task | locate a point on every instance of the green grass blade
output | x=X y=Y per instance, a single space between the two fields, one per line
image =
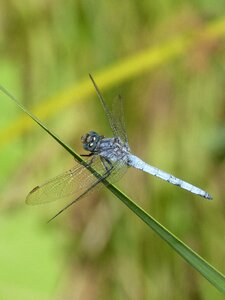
x=202 y=266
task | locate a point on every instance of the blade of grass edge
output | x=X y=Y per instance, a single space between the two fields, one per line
x=216 y=278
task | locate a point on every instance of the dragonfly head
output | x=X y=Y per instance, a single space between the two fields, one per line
x=90 y=140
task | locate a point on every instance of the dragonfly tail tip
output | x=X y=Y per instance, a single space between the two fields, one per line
x=209 y=197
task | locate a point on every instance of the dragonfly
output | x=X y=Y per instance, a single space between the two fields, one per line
x=107 y=161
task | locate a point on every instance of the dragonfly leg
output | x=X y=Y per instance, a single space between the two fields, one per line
x=87 y=155
x=106 y=163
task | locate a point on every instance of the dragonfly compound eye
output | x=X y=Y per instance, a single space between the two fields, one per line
x=90 y=140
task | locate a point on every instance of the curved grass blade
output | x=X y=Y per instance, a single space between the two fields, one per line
x=216 y=278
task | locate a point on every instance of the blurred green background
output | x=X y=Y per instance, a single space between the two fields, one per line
x=166 y=59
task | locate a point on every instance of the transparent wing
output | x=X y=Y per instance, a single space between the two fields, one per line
x=69 y=184
x=73 y=183
x=115 y=117
x=118 y=116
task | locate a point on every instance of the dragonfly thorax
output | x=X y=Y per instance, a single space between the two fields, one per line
x=91 y=140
